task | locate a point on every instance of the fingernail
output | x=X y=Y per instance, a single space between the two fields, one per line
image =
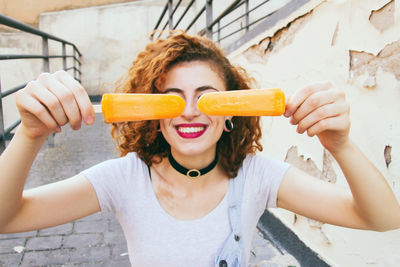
x=58 y=129
x=286 y=114
x=90 y=120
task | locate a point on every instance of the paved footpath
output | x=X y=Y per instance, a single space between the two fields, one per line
x=96 y=240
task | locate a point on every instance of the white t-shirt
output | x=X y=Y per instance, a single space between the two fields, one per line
x=155 y=238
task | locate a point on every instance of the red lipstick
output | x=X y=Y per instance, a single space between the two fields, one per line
x=191 y=130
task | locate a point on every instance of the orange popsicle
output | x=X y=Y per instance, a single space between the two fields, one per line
x=252 y=102
x=136 y=107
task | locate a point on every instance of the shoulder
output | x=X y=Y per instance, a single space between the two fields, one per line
x=262 y=172
x=115 y=167
x=263 y=176
x=260 y=162
x=115 y=176
x=131 y=158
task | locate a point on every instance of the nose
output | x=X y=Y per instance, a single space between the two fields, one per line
x=191 y=110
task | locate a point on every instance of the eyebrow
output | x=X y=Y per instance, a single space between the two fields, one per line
x=198 y=89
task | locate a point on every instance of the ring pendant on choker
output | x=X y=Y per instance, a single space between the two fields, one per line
x=191 y=173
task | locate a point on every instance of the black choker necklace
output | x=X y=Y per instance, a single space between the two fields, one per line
x=192 y=173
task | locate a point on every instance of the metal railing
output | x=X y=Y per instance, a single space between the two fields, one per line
x=239 y=22
x=6 y=134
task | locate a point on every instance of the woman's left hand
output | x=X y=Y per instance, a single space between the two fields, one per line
x=322 y=110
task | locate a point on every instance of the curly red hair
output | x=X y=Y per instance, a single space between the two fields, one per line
x=146 y=74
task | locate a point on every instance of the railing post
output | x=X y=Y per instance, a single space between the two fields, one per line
x=209 y=19
x=74 y=57
x=64 y=55
x=2 y=135
x=247 y=15
x=80 y=68
x=170 y=22
x=219 y=31
x=46 y=68
x=45 y=49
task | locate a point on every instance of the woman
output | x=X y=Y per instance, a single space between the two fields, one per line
x=170 y=218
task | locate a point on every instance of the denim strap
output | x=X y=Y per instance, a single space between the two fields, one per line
x=232 y=254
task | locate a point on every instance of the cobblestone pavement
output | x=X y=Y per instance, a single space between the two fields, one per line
x=96 y=240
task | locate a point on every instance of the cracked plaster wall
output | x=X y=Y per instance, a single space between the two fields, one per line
x=356 y=45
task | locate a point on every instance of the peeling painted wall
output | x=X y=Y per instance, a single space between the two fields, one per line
x=356 y=45
x=388 y=59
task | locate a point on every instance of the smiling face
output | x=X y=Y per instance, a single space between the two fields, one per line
x=193 y=133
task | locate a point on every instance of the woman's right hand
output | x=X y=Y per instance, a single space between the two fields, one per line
x=52 y=101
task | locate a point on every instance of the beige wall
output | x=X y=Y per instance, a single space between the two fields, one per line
x=356 y=45
x=28 y=11
x=109 y=37
x=12 y=73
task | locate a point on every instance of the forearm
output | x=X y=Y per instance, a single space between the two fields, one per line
x=15 y=163
x=373 y=197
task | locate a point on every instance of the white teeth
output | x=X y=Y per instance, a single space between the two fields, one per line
x=190 y=129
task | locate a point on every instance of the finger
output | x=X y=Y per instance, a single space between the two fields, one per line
x=287 y=101
x=65 y=97
x=80 y=94
x=300 y=96
x=312 y=103
x=50 y=101
x=321 y=113
x=338 y=123
x=33 y=106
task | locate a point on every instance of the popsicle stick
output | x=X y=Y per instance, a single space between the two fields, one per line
x=252 y=102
